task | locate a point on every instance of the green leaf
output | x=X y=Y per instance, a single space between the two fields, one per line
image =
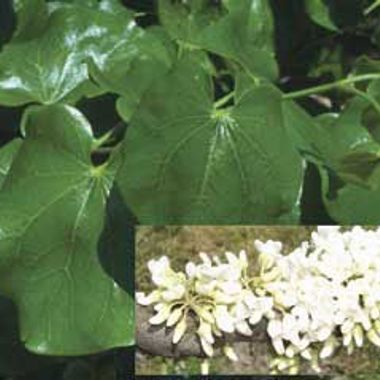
x=319 y=12
x=345 y=139
x=54 y=67
x=187 y=163
x=338 y=142
x=353 y=204
x=32 y=17
x=7 y=154
x=185 y=20
x=53 y=204
x=257 y=14
x=348 y=158
x=131 y=72
x=242 y=32
x=353 y=200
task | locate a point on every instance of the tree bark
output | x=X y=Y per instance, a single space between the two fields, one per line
x=157 y=340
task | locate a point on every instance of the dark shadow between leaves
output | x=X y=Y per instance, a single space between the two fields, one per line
x=313 y=211
x=14 y=358
x=117 y=242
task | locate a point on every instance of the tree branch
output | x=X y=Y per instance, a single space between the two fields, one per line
x=157 y=340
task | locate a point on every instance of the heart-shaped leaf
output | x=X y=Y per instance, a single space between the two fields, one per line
x=189 y=163
x=53 y=204
x=242 y=31
x=54 y=66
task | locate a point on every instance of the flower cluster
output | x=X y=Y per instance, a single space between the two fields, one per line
x=323 y=295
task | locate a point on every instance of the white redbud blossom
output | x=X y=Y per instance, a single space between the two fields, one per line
x=205 y=332
x=328 y=348
x=161 y=316
x=179 y=330
x=306 y=354
x=174 y=317
x=358 y=335
x=322 y=295
x=223 y=319
x=207 y=347
x=230 y=353
x=374 y=337
x=205 y=367
x=377 y=326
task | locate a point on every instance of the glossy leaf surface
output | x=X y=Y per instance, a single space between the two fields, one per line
x=79 y=38
x=186 y=162
x=53 y=205
x=241 y=31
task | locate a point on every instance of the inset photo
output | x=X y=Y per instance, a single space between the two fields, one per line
x=258 y=300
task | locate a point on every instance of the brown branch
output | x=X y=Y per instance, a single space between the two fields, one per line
x=254 y=352
x=157 y=340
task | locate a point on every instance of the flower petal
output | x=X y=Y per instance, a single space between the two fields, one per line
x=174 y=317
x=161 y=316
x=207 y=347
x=223 y=319
x=179 y=330
x=230 y=353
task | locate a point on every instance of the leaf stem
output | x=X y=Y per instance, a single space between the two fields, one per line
x=367 y=97
x=222 y=101
x=102 y=139
x=109 y=137
x=372 y=7
x=330 y=86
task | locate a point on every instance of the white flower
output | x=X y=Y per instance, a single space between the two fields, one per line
x=223 y=319
x=205 y=332
x=230 y=353
x=162 y=315
x=149 y=299
x=275 y=331
x=328 y=348
x=179 y=330
x=269 y=248
x=207 y=347
x=374 y=337
x=205 y=367
x=174 y=317
x=322 y=295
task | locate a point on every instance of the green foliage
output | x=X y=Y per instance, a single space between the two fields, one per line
x=188 y=162
x=212 y=120
x=50 y=236
x=320 y=13
x=79 y=41
x=7 y=154
x=239 y=30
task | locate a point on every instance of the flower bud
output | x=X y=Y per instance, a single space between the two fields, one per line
x=161 y=316
x=358 y=335
x=373 y=337
x=179 y=330
x=207 y=347
x=205 y=367
x=230 y=353
x=328 y=348
x=174 y=317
